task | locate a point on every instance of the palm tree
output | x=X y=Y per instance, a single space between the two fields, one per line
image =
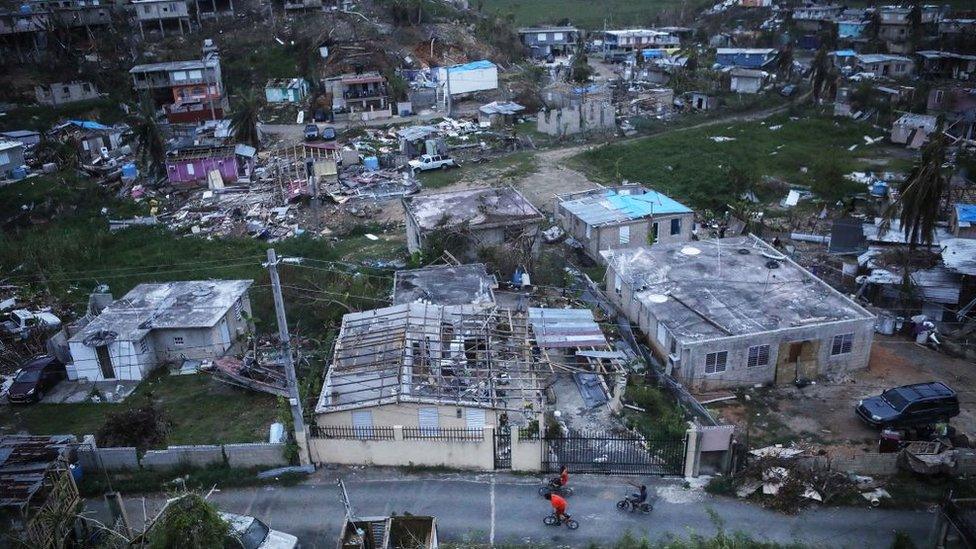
x=822 y=74
x=920 y=195
x=919 y=200
x=244 y=123
x=784 y=63
x=148 y=137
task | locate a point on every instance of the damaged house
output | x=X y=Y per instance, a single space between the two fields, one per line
x=445 y=285
x=62 y=93
x=626 y=216
x=958 y=104
x=92 y=139
x=425 y=384
x=364 y=93
x=187 y=91
x=38 y=495
x=545 y=41
x=482 y=217
x=913 y=130
x=884 y=65
x=215 y=166
x=584 y=117
x=747 y=80
x=735 y=312
x=746 y=58
x=159 y=323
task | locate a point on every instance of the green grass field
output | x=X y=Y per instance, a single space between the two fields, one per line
x=690 y=166
x=203 y=411
x=589 y=14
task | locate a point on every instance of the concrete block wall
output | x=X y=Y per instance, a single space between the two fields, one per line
x=866 y=464
x=478 y=455
x=526 y=454
x=255 y=455
x=112 y=459
x=175 y=456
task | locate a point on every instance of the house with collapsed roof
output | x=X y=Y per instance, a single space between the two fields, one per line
x=214 y=165
x=445 y=285
x=286 y=90
x=735 y=312
x=625 y=216
x=159 y=323
x=91 y=139
x=425 y=384
x=884 y=65
x=913 y=130
x=482 y=216
x=38 y=496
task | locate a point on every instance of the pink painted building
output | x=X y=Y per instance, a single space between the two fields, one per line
x=190 y=165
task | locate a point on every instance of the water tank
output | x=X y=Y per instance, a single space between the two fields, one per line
x=19 y=172
x=372 y=163
x=880 y=188
x=129 y=171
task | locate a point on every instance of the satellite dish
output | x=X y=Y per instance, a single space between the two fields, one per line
x=657 y=298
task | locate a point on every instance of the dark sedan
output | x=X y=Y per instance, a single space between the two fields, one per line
x=36 y=377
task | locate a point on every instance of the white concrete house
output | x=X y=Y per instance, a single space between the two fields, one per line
x=735 y=312
x=158 y=323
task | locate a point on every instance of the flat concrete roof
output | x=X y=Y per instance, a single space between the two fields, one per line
x=727 y=287
x=168 y=305
x=445 y=285
x=481 y=207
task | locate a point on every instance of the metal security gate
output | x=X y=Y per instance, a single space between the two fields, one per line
x=503 y=448
x=615 y=454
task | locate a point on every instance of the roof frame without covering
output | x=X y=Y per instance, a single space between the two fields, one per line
x=460 y=355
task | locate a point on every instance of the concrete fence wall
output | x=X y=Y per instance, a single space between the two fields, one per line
x=426 y=452
x=526 y=454
x=259 y=454
x=874 y=463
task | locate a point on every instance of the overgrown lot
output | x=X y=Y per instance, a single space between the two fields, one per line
x=807 y=149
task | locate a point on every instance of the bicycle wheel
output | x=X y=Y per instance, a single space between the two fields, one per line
x=550 y=520
x=622 y=504
x=567 y=491
x=543 y=491
x=572 y=524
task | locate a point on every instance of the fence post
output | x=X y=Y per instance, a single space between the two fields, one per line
x=398 y=432
x=693 y=437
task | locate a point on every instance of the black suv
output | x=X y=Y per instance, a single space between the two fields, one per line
x=910 y=405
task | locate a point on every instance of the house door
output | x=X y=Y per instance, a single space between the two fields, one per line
x=224 y=334
x=797 y=360
x=104 y=362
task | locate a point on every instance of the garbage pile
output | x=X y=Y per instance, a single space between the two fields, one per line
x=787 y=479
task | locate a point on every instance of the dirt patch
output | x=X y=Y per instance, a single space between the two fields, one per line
x=823 y=412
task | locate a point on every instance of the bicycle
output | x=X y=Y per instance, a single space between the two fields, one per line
x=628 y=504
x=570 y=522
x=554 y=487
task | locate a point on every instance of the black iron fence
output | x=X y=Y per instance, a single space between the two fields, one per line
x=615 y=454
x=450 y=434
x=348 y=432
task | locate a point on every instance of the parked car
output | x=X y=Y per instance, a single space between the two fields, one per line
x=21 y=323
x=910 y=405
x=36 y=377
x=431 y=162
x=788 y=90
x=311 y=132
x=329 y=133
x=250 y=533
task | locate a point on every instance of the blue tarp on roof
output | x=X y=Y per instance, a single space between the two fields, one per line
x=966 y=212
x=653 y=54
x=611 y=207
x=844 y=53
x=472 y=66
x=89 y=125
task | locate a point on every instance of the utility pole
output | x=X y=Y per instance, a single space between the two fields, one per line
x=294 y=400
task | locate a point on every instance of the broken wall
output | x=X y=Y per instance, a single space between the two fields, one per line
x=591 y=116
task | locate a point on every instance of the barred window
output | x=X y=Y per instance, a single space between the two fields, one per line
x=715 y=362
x=758 y=356
x=842 y=344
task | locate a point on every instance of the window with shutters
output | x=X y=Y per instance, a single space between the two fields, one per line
x=362 y=423
x=143 y=346
x=675 y=226
x=653 y=235
x=189 y=169
x=625 y=234
x=474 y=419
x=239 y=309
x=758 y=356
x=842 y=344
x=715 y=362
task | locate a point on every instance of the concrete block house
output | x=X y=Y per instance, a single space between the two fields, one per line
x=545 y=41
x=626 y=216
x=735 y=312
x=158 y=323
x=188 y=91
x=484 y=216
x=286 y=90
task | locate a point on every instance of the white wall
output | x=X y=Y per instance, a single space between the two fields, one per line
x=470 y=81
x=128 y=362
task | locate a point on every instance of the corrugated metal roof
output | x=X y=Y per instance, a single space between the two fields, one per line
x=564 y=328
x=613 y=207
x=959 y=255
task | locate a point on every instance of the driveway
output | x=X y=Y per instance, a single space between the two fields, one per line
x=503 y=508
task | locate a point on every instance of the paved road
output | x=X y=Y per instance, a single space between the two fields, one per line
x=506 y=508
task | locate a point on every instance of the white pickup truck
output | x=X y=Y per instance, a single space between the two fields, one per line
x=431 y=162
